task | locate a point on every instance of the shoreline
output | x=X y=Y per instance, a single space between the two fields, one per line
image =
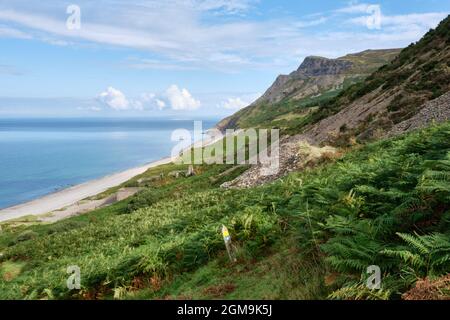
x=66 y=197
x=71 y=195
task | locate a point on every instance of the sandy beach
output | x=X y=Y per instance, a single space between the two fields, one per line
x=69 y=196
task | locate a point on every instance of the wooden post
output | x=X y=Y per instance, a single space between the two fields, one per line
x=227 y=240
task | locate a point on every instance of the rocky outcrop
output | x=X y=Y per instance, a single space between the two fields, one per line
x=254 y=177
x=314 y=77
x=277 y=90
x=319 y=66
x=295 y=153
x=434 y=111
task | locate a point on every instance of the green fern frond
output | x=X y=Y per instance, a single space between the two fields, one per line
x=415 y=241
x=359 y=292
x=407 y=256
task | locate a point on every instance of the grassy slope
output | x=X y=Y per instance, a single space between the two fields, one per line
x=342 y=217
x=332 y=221
x=386 y=203
x=369 y=61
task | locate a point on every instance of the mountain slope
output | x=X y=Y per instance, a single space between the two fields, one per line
x=316 y=78
x=368 y=109
x=318 y=74
x=413 y=86
x=309 y=236
x=393 y=94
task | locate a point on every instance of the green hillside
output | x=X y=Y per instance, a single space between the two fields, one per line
x=420 y=72
x=311 y=234
x=385 y=204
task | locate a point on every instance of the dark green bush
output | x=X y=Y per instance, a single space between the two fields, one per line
x=145 y=198
x=26 y=235
x=64 y=226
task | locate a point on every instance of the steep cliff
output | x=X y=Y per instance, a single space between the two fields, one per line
x=316 y=78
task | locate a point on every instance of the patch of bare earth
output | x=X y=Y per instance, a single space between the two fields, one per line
x=219 y=290
x=295 y=153
x=426 y=289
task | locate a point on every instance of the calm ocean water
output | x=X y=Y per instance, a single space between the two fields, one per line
x=41 y=156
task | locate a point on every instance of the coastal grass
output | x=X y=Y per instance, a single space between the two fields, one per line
x=10 y=270
x=279 y=272
x=310 y=235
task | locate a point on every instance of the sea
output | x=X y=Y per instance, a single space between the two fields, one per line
x=42 y=156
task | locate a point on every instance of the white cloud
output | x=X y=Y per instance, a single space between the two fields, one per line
x=161 y=104
x=310 y=23
x=354 y=8
x=114 y=99
x=227 y=6
x=6 y=32
x=234 y=104
x=155 y=64
x=181 y=99
x=407 y=21
x=195 y=41
x=151 y=100
x=398 y=23
x=89 y=108
x=174 y=97
x=147 y=96
x=138 y=105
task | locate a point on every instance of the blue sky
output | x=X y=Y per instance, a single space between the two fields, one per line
x=186 y=58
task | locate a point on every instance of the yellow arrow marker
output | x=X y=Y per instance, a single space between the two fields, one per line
x=225 y=232
x=227 y=240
